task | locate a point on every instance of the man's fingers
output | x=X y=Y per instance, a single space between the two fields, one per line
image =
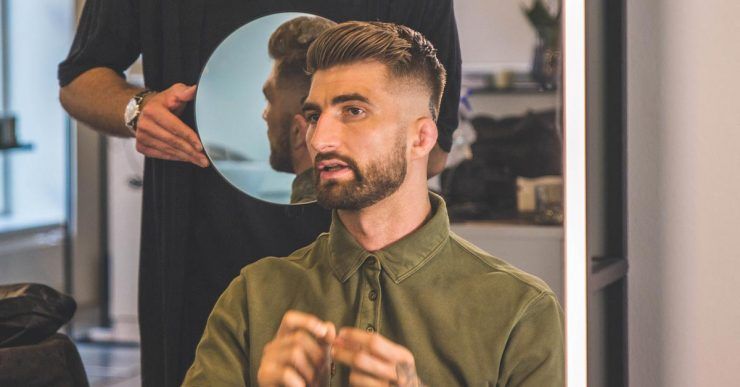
x=146 y=143
x=183 y=93
x=294 y=320
x=276 y=375
x=309 y=345
x=298 y=359
x=361 y=360
x=174 y=126
x=150 y=132
x=374 y=343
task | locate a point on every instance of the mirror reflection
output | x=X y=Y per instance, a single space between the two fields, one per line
x=248 y=107
x=503 y=181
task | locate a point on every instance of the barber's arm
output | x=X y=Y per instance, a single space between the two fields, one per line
x=99 y=96
x=535 y=354
x=94 y=90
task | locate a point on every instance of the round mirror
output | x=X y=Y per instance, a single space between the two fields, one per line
x=248 y=106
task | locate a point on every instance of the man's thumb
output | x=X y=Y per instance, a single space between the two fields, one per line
x=185 y=93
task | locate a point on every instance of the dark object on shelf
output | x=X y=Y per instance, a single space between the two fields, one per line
x=52 y=362
x=31 y=313
x=8 y=138
x=474 y=191
x=528 y=146
x=485 y=186
x=7 y=131
x=546 y=66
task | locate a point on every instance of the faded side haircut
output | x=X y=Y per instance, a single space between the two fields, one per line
x=406 y=53
x=289 y=43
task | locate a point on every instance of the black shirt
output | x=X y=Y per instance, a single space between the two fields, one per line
x=198 y=231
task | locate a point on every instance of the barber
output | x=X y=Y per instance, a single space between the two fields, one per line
x=198 y=231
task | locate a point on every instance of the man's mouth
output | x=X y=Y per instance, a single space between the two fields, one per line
x=330 y=169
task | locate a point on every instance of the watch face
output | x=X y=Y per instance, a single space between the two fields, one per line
x=131 y=110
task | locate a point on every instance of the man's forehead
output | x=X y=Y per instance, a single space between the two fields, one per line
x=352 y=79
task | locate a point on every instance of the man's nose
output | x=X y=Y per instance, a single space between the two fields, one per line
x=325 y=136
x=264 y=114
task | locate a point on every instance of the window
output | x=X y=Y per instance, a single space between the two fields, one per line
x=36 y=36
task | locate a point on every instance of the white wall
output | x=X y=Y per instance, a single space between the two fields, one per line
x=684 y=133
x=494 y=34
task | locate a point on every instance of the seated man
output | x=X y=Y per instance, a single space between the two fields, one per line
x=412 y=301
x=285 y=90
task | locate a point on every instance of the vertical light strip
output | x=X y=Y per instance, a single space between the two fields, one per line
x=576 y=291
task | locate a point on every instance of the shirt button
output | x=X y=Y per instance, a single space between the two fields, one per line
x=370 y=328
x=371 y=261
x=373 y=295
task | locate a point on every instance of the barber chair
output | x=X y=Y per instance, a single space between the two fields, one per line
x=31 y=352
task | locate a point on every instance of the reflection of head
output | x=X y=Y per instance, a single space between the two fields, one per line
x=390 y=82
x=287 y=85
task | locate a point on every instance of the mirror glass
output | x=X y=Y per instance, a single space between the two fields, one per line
x=229 y=109
x=503 y=183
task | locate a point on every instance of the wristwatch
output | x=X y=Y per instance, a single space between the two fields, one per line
x=133 y=110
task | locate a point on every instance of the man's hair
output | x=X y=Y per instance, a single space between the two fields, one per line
x=289 y=43
x=406 y=53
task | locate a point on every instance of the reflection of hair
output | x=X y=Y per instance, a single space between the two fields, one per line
x=289 y=42
x=406 y=53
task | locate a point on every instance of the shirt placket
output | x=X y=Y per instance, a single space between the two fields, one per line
x=369 y=314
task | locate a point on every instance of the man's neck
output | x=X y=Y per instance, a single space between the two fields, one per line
x=389 y=220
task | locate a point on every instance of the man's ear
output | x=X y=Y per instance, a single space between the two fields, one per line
x=424 y=137
x=298 y=129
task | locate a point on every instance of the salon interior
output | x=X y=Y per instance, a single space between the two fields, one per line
x=595 y=150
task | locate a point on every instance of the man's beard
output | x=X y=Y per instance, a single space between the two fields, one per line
x=382 y=177
x=281 y=158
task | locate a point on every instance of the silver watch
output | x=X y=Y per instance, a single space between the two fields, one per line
x=133 y=110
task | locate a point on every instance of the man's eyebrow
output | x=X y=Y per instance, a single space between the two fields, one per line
x=310 y=106
x=349 y=97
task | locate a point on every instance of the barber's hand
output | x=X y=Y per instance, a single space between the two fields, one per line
x=161 y=134
x=374 y=360
x=299 y=353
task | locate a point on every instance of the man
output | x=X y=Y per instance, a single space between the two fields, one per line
x=197 y=230
x=285 y=90
x=413 y=302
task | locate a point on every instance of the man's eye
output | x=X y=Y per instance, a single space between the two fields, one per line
x=312 y=118
x=355 y=111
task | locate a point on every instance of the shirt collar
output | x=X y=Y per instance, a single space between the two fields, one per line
x=400 y=259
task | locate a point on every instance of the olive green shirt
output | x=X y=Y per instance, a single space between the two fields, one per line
x=468 y=318
x=303 y=189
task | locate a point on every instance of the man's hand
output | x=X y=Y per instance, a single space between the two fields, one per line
x=374 y=360
x=299 y=354
x=161 y=134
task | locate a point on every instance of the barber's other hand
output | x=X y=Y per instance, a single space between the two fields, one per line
x=161 y=134
x=374 y=360
x=299 y=353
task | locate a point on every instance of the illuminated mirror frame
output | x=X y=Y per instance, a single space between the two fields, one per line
x=574 y=97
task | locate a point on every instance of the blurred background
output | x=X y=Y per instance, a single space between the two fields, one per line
x=70 y=199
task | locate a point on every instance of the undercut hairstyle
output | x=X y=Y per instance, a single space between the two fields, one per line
x=289 y=43
x=406 y=53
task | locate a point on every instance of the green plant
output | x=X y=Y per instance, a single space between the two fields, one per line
x=545 y=23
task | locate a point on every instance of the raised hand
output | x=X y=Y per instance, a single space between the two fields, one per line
x=374 y=360
x=299 y=353
x=161 y=134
